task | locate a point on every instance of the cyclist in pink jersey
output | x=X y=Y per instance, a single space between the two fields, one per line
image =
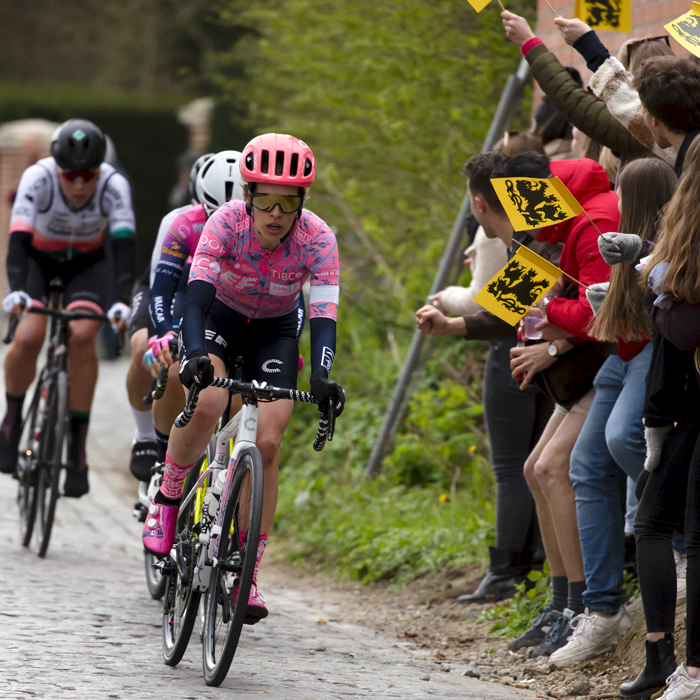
x=250 y=264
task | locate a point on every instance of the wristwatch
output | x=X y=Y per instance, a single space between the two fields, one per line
x=552 y=349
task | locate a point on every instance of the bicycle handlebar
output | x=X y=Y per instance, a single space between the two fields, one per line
x=58 y=313
x=265 y=392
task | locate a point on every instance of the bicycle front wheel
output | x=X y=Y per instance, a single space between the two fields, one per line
x=154 y=579
x=229 y=587
x=27 y=463
x=53 y=445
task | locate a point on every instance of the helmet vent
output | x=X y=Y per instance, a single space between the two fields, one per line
x=279 y=164
x=250 y=161
x=294 y=164
x=229 y=190
x=308 y=167
x=265 y=162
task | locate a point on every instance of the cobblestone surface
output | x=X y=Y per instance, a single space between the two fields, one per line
x=81 y=625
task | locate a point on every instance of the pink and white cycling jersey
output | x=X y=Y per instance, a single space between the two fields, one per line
x=265 y=284
x=181 y=239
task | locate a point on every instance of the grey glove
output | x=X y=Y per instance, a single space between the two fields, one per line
x=596 y=295
x=654 y=438
x=620 y=247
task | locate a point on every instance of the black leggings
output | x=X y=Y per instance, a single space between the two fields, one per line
x=671 y=501
x=515 y=420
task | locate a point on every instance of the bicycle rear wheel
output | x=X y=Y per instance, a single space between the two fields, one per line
x=229 y=587
x=53 y=445
x=181 y=597
x=27 y=469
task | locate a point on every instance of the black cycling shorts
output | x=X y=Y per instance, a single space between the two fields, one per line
x=140 y=316
x=86 y=280
x=268 y=346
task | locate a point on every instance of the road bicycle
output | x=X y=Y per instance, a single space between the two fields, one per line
x=218 y=529
x=44 y=444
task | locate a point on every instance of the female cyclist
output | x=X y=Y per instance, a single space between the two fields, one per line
x=251 y=261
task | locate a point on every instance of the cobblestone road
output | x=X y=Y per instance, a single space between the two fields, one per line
x=81 y=625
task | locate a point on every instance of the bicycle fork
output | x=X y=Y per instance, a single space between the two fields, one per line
x=244 y=425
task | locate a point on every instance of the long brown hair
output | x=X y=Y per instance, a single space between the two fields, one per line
x=679 y=235
x=645 y=188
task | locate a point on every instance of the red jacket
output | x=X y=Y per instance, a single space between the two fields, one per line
x=589 y=183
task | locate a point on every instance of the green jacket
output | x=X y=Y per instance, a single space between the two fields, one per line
x=584 y=110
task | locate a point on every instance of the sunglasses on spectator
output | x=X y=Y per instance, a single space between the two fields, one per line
x=87 y=175
x=266 y=202
x=637 y=42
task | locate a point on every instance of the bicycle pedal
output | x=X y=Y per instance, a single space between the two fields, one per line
x=165 y=566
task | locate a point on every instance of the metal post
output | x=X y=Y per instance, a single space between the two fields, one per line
x=510 y=101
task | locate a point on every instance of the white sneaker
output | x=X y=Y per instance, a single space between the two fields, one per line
x=681 y=568
x=593 y=635
x=680 y=686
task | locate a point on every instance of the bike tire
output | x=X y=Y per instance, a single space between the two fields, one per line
x=27 y=471
x=181 y=600
x=223 y=621
x=52 y=453
x=154 y=579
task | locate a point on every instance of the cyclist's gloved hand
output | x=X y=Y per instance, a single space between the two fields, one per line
x=620 y=247
x=196 y=371
x=323 y=388
x=157 y=345
x=124 y=312
x=14 y=299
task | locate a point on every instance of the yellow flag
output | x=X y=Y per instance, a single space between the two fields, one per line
x=518 y=286
x=533 y=203
x=686 y=29
x=478 y=5
x=615 y=15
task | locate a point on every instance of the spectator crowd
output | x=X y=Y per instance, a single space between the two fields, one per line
x=591 y=403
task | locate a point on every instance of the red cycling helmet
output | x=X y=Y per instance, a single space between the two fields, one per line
x=278 y=159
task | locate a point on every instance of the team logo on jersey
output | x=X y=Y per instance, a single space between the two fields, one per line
x=79 y=134
x=305 y=238
x=267 y=366
x=283 y=290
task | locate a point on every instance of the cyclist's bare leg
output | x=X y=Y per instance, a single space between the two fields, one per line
x=138 y=378
x=20 y=360
x=273 y=420
x=186 y=445
x=82 y=364
x=170 y=405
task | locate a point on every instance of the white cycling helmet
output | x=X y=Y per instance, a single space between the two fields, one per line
x=194 y=171
x=219 y=180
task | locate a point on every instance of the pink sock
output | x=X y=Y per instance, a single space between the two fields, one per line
x=173 y=478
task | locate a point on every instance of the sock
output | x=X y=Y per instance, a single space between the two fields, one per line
x=560 y=592
x=13 y=418
x=161 y=445
x=173 y=478
x=79 y=421
x=261 y=550
x=144 y=425
x=575 y=599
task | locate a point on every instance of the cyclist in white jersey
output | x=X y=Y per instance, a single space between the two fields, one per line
x=68 y=206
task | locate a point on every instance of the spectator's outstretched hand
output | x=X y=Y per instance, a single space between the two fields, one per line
x=596 y=294
x=430 y=321
x=571 y=29
x=436 y=300
x=517 y=28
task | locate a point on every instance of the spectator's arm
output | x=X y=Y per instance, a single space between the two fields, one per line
x=484 y=325
x=585 y=111
x=680 y=324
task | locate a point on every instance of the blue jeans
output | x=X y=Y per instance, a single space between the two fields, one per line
x=612 y=438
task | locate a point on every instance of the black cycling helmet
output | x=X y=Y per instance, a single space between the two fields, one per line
x=78 y=145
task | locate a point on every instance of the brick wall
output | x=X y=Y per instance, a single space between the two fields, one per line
x=648 y=19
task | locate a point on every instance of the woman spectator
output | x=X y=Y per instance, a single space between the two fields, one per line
x=671 y=493
x=612 y=438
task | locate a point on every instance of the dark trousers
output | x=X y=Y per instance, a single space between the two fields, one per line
x=515 y=420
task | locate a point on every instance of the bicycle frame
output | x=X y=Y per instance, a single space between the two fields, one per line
x=244 y=426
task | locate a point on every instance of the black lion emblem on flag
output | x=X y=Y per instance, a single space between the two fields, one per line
x=532 y=201
x=517 y=288
x=689 y=29
x=604 y=12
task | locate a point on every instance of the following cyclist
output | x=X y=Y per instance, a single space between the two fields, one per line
x=218 y=181
x=65 y=208
x=252 y=259
x=144 y=450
